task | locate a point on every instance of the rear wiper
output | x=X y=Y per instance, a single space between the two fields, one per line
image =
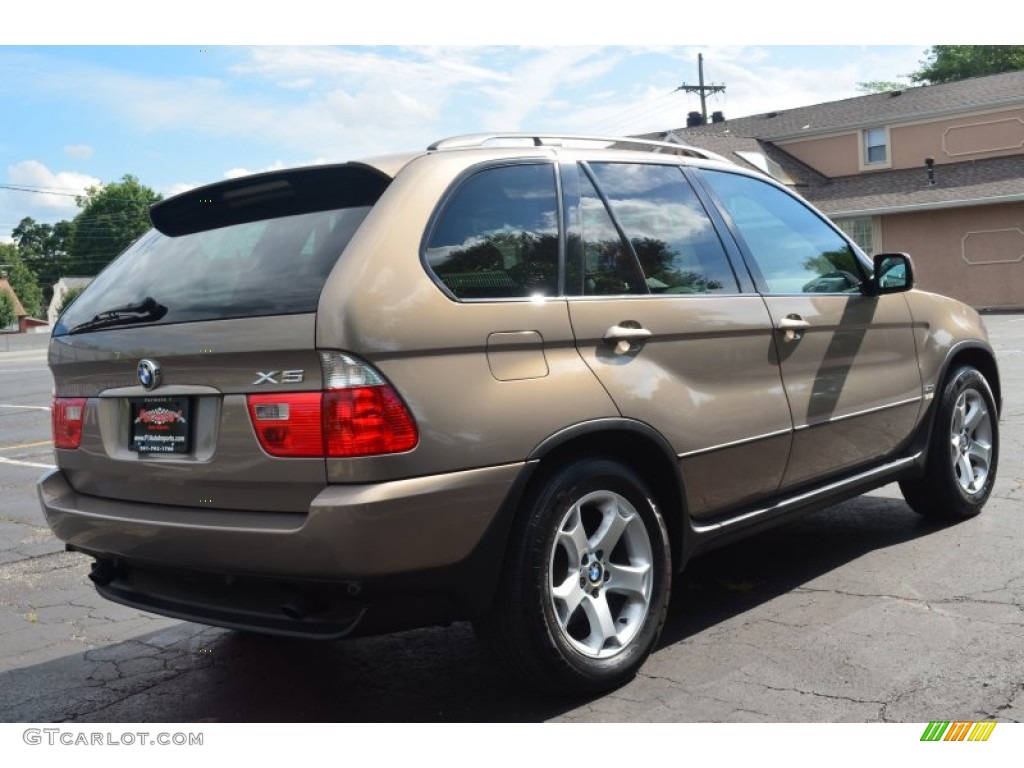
x=147 y=310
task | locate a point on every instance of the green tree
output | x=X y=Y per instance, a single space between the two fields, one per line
x=880 y=86
x=44 y=249
x=7 y=316
x=22 y=279
x=112 y=217
x=946 y=63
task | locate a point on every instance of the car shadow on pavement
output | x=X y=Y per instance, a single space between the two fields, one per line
x=190 y=673
x=725 y=583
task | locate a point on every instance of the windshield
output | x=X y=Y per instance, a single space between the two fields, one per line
x=270 y=267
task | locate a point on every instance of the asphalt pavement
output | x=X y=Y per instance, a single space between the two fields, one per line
x=859 y=613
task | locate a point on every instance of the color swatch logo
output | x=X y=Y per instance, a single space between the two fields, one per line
x=958 y=731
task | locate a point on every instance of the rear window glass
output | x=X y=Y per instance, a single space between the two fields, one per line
x=270 y=267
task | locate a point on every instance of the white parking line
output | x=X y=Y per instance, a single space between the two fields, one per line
x=26 y=463
x=28 y=407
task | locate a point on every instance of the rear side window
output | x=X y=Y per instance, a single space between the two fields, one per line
x=671 y=234
x=497 y=236
x=271 y=267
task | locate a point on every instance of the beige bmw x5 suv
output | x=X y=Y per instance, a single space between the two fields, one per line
x=518 y=380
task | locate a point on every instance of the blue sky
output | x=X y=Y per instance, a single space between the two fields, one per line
x=177 y=111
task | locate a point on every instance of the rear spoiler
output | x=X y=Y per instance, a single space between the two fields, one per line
x=269 y=196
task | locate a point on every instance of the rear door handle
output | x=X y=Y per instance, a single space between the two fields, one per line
x=793 y=326
x=624 y=335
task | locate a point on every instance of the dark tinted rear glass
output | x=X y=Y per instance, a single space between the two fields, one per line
x=497 y=237
x=271 y=267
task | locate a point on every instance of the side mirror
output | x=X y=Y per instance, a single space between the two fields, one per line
x=894 y=273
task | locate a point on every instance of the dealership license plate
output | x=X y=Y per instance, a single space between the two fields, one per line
x=160 y=424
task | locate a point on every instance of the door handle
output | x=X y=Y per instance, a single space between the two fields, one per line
x=624 y=335
x=793 y=326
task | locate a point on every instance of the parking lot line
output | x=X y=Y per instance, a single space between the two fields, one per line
x=19 y=463
x=25 y=445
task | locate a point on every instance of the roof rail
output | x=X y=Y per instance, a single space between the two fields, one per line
x=560 y=139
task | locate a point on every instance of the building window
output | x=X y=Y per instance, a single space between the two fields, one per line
x=860 y=230
x=876 y=143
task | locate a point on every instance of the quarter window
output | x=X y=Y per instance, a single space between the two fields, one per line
x=795 y=250
x=497 y=236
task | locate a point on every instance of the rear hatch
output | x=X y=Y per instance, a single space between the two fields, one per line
x=157 y=364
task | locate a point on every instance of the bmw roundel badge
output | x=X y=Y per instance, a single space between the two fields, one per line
x=149 y=373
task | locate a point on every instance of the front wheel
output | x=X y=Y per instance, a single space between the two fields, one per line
x=585 y=587
x=964 y=451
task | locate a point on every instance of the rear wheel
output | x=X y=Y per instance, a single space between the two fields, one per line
x=586 y=583
x=963 y=454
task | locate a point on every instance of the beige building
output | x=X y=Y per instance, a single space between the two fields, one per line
x=936 y=171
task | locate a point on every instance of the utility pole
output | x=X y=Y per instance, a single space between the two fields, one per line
x=702 y=89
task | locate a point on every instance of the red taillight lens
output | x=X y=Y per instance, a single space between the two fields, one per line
x=364 y=421
x=361 y=421
x=68 y=415
x=288 y=424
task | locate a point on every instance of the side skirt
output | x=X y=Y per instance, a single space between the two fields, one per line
x=709 y=535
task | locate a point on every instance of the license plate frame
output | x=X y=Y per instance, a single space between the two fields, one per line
x=160 y=424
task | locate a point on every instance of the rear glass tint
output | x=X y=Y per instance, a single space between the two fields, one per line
x=270 y=267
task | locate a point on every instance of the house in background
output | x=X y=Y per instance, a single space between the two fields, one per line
x=19 y=310
x=936 y=171
x=60 y=290
x=23 y=323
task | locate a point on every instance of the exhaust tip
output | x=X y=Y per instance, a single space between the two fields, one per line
x=103 y=572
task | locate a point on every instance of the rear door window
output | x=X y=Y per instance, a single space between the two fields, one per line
x=673 y=242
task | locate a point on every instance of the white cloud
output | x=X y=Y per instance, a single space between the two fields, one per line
x=177 y=189
x=234 y=173
x=53 y=192
x=79 y=151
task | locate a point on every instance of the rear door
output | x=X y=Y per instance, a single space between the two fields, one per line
x=677 y=337
x=848 y=360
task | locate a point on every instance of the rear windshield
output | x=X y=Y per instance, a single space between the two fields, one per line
x=270 y=267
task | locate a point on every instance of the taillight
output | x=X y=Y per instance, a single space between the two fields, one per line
x=365 y=421
x=68 y=415
x=288 y=424
x=357 y=414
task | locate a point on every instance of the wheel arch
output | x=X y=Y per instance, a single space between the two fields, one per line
x=976 y=356
x=636 y=445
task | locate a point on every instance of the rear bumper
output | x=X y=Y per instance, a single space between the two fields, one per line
x=415 y=545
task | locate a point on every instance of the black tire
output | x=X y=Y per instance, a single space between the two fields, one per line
x=585 y=585
x=963 y=454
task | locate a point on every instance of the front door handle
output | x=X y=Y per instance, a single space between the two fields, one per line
x=624 y=335
x=793 y=326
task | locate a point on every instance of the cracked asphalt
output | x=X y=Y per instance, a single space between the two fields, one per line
x=860 y=613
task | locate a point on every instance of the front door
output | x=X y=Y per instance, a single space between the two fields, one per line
x=848 y=360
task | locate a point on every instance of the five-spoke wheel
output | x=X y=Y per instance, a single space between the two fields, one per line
x=585 y=586
x=960 y=464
